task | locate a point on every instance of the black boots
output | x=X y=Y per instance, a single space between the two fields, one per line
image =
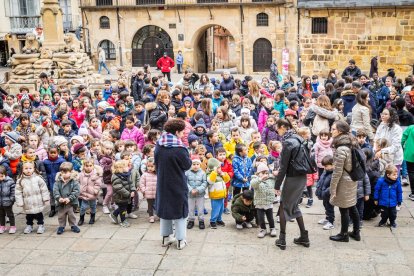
x=201 y=225
x=281 y=241
x=190 y=224
x=355 y=235
x=81 y=220
x=52 y=212
x=341 y=237
x=92 y=219
x=303 y=239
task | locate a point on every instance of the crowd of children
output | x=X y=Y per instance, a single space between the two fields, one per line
x=66 y=150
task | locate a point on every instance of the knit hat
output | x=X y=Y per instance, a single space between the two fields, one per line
x=77 y=148
x=245 y=111
x=83 y=131
x=213 y=163
x=78 y=138
x=192 y=138
x=200 y=123
x=110 y=109
x=175 y=93
x=59 y=140
x=262 y=168
x=102 y=105
x=290 y=112
x=12 y=135
x=248 y=194
x=196 y=159
x=188 y=99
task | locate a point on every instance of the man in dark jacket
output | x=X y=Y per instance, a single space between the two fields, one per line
x=352 y=71
x=138 y=86
x=213 y=142
x=348 y=97
x=227 y=84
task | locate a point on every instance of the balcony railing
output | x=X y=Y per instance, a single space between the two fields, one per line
x=23 y=24
x=146 y=3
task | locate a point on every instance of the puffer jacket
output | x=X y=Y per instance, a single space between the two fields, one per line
x=323 y=190
x=156 y=115
x=7 y=191
x=148 y=185
x=242 y=168
x=264 y=193
x=217 y=185
x=135 y=135
x=225 y=127
x=388 y=193
x=343 y=189
x=238 y=209
x=322 y=149
x=322 y=117
x=31 y=194
x=106 y=163
x=270 y=134
x=90 y=184
x=69 y=189
x=361 y=120
x=196 y=180
x=52 y=168
x=394 y=136
x=349 y=99
x=364 y=187
x=122 y=187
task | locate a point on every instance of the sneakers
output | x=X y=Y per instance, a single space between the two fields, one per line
x=190 y=224
x=221 y=223
x=181 y=244
x=277 y=219
x=239 y=226
x=105 y=210
x=28 y=229
x=132 y=216
x=310 y=203
x=328 y=226
x=382 y=224
x=125 y=224
x=12 y=230
x=323 y=221
x=60 y=230
x=75 y=229
x=213 y=225
x=411 y=196
x=248 y=225
x=404 y=181
x=262 y=233
x=394 y=225
x=168 y=240
x=398 y=207
x=2 y=229
x=41 y=229
x=113 y=218
x=226 y=211
x=273 y=232
x=201 y=225
x=152 y=219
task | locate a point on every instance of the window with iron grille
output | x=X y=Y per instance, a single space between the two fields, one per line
x=104 y=22
x=109 y=49
x=104 y=2
x=319 y=25
x=211 y=1
x=150 y=2
x=262 y=19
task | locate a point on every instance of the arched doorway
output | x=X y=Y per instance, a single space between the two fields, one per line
x=144 y=45
x=262 y=55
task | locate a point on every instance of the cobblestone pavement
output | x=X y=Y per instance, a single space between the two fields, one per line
x=107 y=249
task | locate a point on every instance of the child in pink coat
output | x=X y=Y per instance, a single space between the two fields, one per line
x=131 y=132
x=148 y=187
x=264 y=114
x=322 y=148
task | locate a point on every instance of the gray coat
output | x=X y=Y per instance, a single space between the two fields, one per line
x=70 y=189
x=196 y=180
x=7 y=187
x=364 y=187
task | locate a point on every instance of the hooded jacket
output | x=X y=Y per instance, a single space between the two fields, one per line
x=156 y=114
x=264 y=193
x=242 y=168
x=349 y=99
x=7 y=192
x=69 y=189
x=238 y=209
x=31 y=193
x=394 y=136
x=90 y=183
x=122 y=188
x=388 y=193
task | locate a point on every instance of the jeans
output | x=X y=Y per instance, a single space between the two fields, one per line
x=7 y=211
x=121 y=211
x=404 y=170
x=179 y=68
x=39 y=217
x=345 y=214
x=166 y=228
x=168 y=74
x=388 y=213
x=103 y=64
x=410 y=169
x=88 y=203
x=196 y=203
x=329 y=210
x=269 y=215
x=217 y=208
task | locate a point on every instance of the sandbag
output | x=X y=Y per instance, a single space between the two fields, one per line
x=23 y=71
x=22 y=61
x=23 y=66
x=23 y=77
x=25 y=56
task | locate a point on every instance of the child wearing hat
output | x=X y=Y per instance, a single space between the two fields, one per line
x=242 y=209
x=13 y=150
x=197 y=185
x=79 y=154
x=188 y=107
x=263 y=184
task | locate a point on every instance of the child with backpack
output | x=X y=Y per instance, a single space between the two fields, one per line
x=323 y=192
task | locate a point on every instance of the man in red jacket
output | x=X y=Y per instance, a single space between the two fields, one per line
x=166 y=63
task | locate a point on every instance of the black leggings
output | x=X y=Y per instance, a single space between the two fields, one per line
x=345 y=214
x=168 y=74
x=121 y=211
x=410 y=169
x=310 y=191
x=261 y=218
x=7 y=211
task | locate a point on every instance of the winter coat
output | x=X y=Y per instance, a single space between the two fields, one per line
x=361 y=119
x=106 y=163
x=242 y=168
x=355 y=72
x=383 y=95
x=364 y=187
x=263 y=115
x=343 y=188
x=122 y=188
x=323 y=188
x=4 y=161
x=394 y=136
x=264 y=193
x=157 y=115
x=178 y=104
x=322 y=149
x=388 y=193
x=7 y=192
x=230 y=146
x=90 y=184
x=322 y=117
x=226 y=127
x=165 y=64
x=207 y=118
x=31 y=193
x=172 y=190
x=39 y=166
x=135 y=135
x=349 y=99
x=270 y=134
x=407 y=143
x=217 y=185
x=246 y=134
x=52 y=168
x=405 y=118
x=13 y=153
x=187 y=130
x=137 y=89
x=311 y=179
x=227 y=85
x=78 y=116
x=196 y=180
x=212 y=148
x=148 y=185
x=281 y=107
x=69 y=189
x=238 y=209
x=41 y=152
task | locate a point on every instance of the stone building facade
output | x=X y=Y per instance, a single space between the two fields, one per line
x=260 y=30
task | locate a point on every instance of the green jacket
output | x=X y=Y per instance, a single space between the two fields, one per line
x=69 y=190
x=122 y=188
x=264 y=191
x=407 y=143
x=238 y=209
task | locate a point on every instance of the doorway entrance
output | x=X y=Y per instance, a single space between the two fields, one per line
x=149 y=44
x=262 y=55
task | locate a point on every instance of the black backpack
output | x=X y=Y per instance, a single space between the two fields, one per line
x=358 y=164
x=302 y=162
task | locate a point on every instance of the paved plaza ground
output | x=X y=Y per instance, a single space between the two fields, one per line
x=108 y=249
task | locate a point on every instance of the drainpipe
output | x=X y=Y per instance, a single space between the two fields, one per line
x=119 y=33
x=242 y=36
x=298 y=48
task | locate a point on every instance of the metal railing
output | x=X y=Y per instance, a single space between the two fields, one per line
x=149 y=3
x=23 y=24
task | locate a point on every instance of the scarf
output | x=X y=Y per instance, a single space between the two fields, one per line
x=169 y=140
x=124 y=176
x=53 y=159
x=275 y=154
x=268 y=110
x=25 y=159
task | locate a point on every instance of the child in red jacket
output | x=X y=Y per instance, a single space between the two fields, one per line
x=226 y=167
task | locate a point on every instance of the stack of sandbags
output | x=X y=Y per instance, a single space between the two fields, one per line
x=23 y=66
x=72 y=65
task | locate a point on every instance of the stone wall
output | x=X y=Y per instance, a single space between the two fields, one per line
x=360 y=35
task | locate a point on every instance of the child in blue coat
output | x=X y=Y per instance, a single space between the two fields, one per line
x=242 y=168
x=388 y=194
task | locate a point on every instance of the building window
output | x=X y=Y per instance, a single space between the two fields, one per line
x=109 y=49
x=211 y=1
x=104 y=22
x=319 y=25
x=104 y=2
x=262 y=19
x=150 y=2
x=65 y=5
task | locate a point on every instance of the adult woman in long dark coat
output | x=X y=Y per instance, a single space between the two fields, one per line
x=172 y=159
x=293 y=184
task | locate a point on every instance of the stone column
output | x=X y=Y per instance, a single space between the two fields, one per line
x=52 y=25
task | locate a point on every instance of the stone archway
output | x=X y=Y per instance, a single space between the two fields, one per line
x=148 y=45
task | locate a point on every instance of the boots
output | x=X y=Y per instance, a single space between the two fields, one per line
x=281 y=241
x=92 y=219
x=341 y=237
x=81 y=220
x=52 y=212
x=355 y=235
x=303 y=239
